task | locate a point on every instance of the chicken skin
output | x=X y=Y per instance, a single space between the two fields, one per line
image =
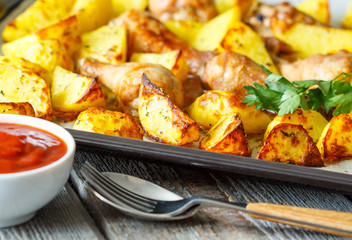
x=147 y=34
x=231 y=71
x=321 y=67
x=196 y=10
x=124 y=81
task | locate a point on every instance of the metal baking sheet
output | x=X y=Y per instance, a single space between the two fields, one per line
x=336 y=176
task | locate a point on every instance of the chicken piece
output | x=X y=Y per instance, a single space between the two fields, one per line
x=231 y=71
x=196 y=10
x=321 y=67
x=147 y=34
x=124 y=81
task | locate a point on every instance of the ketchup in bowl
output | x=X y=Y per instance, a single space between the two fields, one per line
x=24 y=148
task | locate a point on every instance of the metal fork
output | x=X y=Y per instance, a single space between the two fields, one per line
x=339 y=223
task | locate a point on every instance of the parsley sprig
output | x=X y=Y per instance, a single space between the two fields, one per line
x=282 y=96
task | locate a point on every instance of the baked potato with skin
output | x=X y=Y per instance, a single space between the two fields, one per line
x=290 y=143
x=207 y=109
x=99 y=120
x=47 y=53
x=335 y=141
x=106 y=44
x=226 y=136
x=161 y=119
x=39 y=15
x=21 y=108
x=72 y=92
x=21 y=85
x=174 y=61
x=311 y=120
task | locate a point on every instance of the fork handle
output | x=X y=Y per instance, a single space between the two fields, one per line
x=333 y=222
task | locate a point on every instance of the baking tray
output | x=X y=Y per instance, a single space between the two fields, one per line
x=332 y=178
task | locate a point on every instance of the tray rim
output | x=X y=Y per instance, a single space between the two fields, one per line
x=215 y=161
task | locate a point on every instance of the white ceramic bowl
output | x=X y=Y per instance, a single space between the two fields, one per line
x=23 y=193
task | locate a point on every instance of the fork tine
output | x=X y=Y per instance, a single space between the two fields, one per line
x=115 y=191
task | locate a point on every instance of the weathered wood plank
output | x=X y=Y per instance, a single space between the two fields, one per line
x=210 y=223
x=62 y=218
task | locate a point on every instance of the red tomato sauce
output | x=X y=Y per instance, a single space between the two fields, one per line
x=24 y=148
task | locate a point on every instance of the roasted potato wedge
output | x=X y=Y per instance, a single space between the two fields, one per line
x=224 y=5
x=106 y=44
x=207 y=109
x=311 y=120
x=290 y=143
x=120 y=6
x=308 y=40
x=174 y=61
x=317 y=9
x=47 y=53
x=65 y=31
x=184 y=29
x=335 y=141
x=162 y=119
x=240 y=38
x=203 y=41
x=21 y=108
x=99 y=120
x=39 y=15
x=92 y=14
x=347 y=21
x=226 y=136
x=25 y=64
x=17 y=85
x=72 y=92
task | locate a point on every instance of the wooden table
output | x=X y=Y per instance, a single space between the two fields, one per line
x=77 y=214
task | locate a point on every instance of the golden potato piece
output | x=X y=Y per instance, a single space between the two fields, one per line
x=21 y=108
x=162 y=119
x=317 y=9
x=226 y=136
x=240 y=38
x=184 y=29
x=92 y=14
x=25 y=64
x=72 y=92
x=99 y=120
x=290 y=143
x=174 y=61
x=311 y=120
x=308 y=40
x=47 y=53
x=347 y=21
x=121 y=6
x=39 y=15
x=335 y=141
x=203 y=41
x=17 y=85
x=106 y=44
x=65 y=31
x=207 y=109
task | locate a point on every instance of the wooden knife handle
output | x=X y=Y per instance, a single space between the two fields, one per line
x=333 y=222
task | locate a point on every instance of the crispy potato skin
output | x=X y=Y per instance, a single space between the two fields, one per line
x=290 y=143
x=226 y=136
x=108 y=122
x=335 y=142
x=311 y=120
x=207 y=109
x=162 y=119
x=21 y=108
